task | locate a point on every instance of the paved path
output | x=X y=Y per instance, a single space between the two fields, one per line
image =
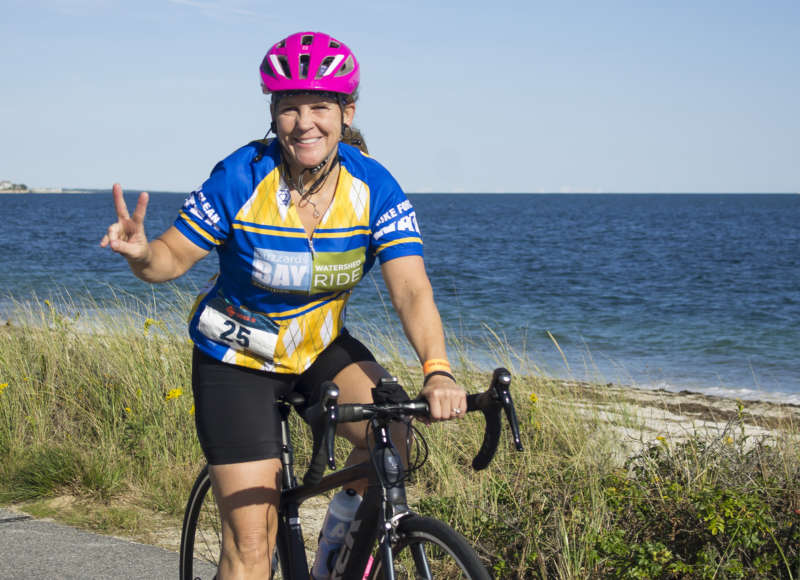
x=31 y=548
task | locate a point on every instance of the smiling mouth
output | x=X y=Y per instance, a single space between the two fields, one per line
x=308 y=141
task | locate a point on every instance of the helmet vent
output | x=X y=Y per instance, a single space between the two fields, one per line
x=281 y=44
x=265 y=68
x=346 y=68
x=304 y=59
x=284 y=62
x=324 y=65
x=333 y=44
x=307 y=40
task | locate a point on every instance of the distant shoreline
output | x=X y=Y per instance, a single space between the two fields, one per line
x=47 y=191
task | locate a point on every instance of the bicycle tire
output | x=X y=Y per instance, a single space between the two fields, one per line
x=447 y=553
x=201 y=535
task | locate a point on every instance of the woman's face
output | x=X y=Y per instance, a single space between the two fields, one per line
x=309 y=127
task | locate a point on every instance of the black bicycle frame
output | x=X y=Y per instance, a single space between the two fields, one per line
x=384 y=503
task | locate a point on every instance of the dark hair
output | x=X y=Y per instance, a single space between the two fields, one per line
x=353 y=136
x=341 y=98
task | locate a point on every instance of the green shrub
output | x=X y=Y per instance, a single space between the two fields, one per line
x=719 y=508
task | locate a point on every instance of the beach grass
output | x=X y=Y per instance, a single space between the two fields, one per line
x=97 y=430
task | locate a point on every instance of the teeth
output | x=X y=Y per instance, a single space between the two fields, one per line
x=307 y=141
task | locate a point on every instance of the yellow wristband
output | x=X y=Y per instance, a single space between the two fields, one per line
x=435 y=364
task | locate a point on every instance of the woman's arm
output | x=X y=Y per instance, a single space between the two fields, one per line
x=412 y=297
x=165 y=258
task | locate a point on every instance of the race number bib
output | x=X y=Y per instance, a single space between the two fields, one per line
x=238 y=328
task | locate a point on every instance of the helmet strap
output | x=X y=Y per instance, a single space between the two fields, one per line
x=299 y=186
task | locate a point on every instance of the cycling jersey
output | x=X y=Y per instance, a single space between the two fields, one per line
x=280 y=296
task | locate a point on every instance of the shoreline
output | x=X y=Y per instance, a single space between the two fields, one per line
x=44 y=191
x=641 y=417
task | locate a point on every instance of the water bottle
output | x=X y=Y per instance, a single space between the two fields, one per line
x=341 y=512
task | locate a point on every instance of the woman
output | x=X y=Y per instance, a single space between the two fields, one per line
x=296 y=223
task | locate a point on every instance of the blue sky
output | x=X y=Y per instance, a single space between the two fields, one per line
x=508 y=95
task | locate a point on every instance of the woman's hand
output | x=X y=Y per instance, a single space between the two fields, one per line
x=446 y=399
x=126 y=237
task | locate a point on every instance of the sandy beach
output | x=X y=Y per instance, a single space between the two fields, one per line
x=640 y=416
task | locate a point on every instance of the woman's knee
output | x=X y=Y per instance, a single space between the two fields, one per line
x=250 y=546
x=247 y=495
x=355 y=383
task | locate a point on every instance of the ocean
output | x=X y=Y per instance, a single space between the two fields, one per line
x=679 y=292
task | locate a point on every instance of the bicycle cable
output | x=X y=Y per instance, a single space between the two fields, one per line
x=420 y=450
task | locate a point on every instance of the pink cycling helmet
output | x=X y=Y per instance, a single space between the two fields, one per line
x=309 y=61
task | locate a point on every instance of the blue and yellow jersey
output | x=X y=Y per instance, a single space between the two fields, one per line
x=280 y=296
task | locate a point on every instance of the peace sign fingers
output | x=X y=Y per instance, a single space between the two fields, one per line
x=119 y=202
x=126 y=236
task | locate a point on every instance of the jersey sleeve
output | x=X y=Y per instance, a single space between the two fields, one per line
x=395 y=232
x=202 y=218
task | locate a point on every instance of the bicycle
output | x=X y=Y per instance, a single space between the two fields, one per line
x=408 y=545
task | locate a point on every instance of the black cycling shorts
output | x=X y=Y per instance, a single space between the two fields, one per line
x=235 y=411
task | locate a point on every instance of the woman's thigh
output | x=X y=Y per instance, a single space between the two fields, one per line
x=235 y=412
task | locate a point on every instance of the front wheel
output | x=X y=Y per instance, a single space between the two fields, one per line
x=425 y=548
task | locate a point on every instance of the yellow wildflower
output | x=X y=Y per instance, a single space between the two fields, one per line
x=661 y=438
x=729 y=440
x=128 y=410
x=191 y=410
x=174 y=394
x=534 y=399
x=3 y=387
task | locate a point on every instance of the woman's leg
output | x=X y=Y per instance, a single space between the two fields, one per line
x=239 y=429
x=247 y=495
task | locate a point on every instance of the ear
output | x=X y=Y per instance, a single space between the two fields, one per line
x=348 y=113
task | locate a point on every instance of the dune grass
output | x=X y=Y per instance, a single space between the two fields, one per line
x=96 y=411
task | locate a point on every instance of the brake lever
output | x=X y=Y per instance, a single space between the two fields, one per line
x=322 y=418
x=330 y=403
x=501 y=383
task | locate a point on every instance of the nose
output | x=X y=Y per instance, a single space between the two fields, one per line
x=304 y=119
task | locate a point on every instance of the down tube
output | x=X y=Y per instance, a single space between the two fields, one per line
x=290 y=544
x=364 y=531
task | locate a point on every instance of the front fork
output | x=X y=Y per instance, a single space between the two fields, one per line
x=376 y=518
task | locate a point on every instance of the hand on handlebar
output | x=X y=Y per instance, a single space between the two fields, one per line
x=446 y=399
x=326 y=414
x=126 y=236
